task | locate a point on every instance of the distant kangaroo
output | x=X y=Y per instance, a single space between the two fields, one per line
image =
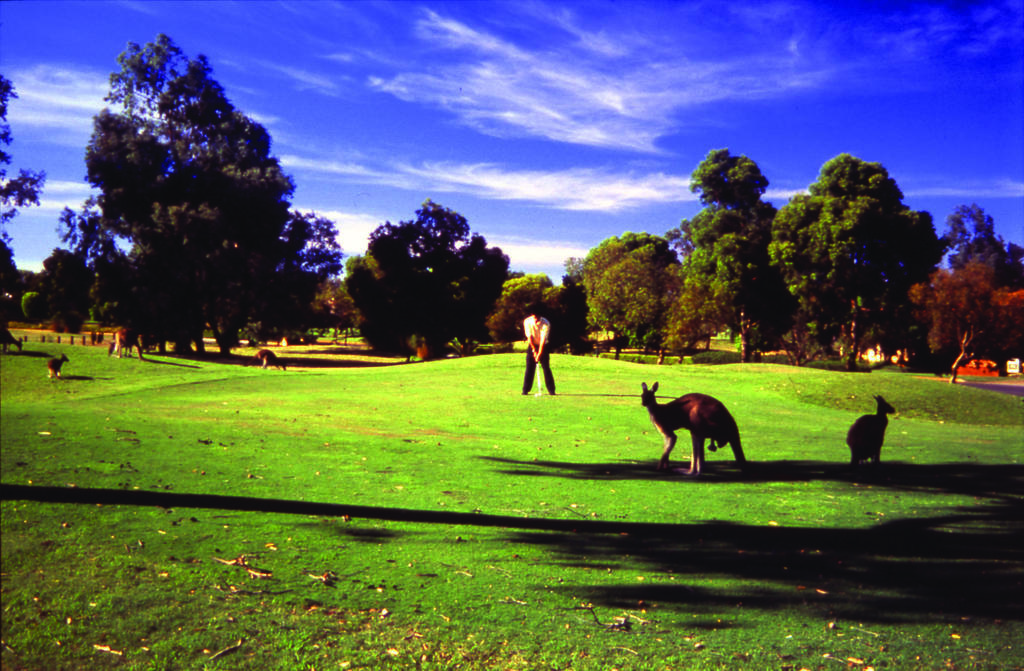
x=866 y=435
x=53 y=366
x=702 y=415
x=268 y=358
x=7 y=339
x=125 y=339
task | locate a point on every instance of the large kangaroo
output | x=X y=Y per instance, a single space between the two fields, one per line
x=702 y=415
x=266 y=358
x=866 y=435
x=125 y=338
x=7 y=340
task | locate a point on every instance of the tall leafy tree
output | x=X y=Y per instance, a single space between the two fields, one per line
x=849 y=251
x=630 y=284
x=971 y=238
x=190 y=183
x=426 y=282
x=564 y=306
x=725 y=249
x=15 y=192
x=66 y=280
x=968 y=314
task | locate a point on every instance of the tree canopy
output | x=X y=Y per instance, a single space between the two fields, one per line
x=425 y=283
x=728 y=277
x=850 y=250
x=16 y=192
x=630 y=282
x=971 y=238
x=968 y=313
x=190 y=184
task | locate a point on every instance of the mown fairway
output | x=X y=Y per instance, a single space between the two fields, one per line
x=795 y=563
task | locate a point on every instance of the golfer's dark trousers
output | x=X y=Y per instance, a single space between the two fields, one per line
x=531 y=372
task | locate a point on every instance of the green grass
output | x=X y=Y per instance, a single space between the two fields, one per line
x=795 y=563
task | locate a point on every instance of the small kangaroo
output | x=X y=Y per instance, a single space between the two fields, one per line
x=866 y=435
x=54 y=365
x=7 y=339
x=268 y=358
x=702 y=415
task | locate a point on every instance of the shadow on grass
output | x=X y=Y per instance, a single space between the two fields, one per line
x=966 y=564
x=981 y=480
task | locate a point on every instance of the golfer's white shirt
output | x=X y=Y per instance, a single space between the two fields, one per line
x=537 y=330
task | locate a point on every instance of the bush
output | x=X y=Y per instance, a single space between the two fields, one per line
x=34 y=306
x=715 y=357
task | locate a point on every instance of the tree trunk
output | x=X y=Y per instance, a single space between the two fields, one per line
x=851 y=355
x=965 y=343
x=745 y=352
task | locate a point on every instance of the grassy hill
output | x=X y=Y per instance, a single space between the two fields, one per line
x=795 y=562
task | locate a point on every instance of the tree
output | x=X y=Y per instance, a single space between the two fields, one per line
x=21 y=190
x=971 y=238
x=969 y=314
x=190 y=183
x=425 y=283
x=17 y=192
x=725 y=250
x=66 y=279
x=564 y=306
x=629 y=285
x=505 y=323
x=849 y=252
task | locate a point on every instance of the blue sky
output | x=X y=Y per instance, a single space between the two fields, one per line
x=550 y=126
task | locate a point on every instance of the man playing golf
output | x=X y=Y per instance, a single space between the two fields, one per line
x=538 y=331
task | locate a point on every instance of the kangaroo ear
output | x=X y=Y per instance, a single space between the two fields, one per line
x=655 y=387
x=643 y=386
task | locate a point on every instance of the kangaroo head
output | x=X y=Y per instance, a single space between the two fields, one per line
x=647 y=395
x=883 y=407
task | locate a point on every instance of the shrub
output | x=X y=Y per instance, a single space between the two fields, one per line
x=34 y=306
x=715 y=356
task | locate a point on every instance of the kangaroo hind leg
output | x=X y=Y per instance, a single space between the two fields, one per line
x=670 y=442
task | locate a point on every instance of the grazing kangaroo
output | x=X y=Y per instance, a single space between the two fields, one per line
x=7 y=339
x=702 y=415
x=268 y=358
x=53 y=366
x=866 y=435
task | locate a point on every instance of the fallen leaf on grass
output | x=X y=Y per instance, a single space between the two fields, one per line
x=107 y=648
x=228 y=650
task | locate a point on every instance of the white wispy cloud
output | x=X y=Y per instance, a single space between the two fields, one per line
x=526 y=254
x=584 y=92
x=999 y=188
x=57 y=195
x=354 y=228
x=577 y=189
x=61 y=100
x=536 y=255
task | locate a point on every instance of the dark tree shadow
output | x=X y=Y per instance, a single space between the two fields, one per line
x=981 y=480
x=967 y=562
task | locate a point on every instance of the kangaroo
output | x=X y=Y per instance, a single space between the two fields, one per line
x=702 y=415
x=866 y=435
x=7 y=339
x=53 y=366
x=268 y=358
x=125 y=339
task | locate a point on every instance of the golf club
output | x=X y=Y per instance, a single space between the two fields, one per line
x=539 y=392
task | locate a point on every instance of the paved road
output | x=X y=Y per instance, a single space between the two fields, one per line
x=1013 y=388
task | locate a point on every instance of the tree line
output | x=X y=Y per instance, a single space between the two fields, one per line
x=193 y=233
